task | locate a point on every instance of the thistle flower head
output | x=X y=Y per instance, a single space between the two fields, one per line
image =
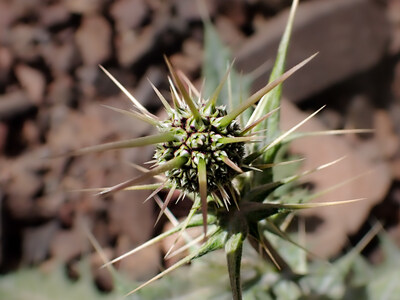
x=200 y=139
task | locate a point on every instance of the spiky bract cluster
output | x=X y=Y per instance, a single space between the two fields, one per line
x=200 y=139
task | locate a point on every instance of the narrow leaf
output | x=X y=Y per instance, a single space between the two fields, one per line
x=169 y=165
x=203 y=191
x=136 y=115
x=138 y=142
x=129 y=95
x=183 y=91
x=272 y=100
x=257 y=96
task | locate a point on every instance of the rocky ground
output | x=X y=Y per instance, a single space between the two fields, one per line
x=52 y=92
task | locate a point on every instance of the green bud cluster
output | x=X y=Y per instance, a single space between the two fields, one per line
x=197 y=139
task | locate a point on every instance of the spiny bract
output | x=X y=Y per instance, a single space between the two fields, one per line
x=202 y=139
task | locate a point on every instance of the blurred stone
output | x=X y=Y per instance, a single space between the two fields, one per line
x=235 y=10
x=131 y=46
x=330 y=27
x=191 y=10
x=102 y=276
x=26 y=40
x=87 y=76
x=360 y=113
x=87 y=7
x=67 y=245
x=14 y=104
x=230 y=35
x=8 y=14
x=30 y=133
x=3 y=136
x=396 y=82
x=145 y=93
x=388 y=140
x=54 y=14
x=61 y=57
x=33 y=81
x=364 y=159
x=36 y=241
x=93 y=39
x=6 y=60
x=140 y=266
x=20 y=184
x=61 y=90
x=128 y=14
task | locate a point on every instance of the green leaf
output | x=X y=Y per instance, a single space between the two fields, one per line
x=272 y=100
x=237 y=232
x=217 y=59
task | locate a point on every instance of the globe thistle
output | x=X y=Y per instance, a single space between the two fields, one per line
x=223 y=164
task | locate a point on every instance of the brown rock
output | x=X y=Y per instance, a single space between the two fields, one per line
x=67 y=244
x=36 y=242
x=93 y=39
x=229 y=33
x=132 y=46
x=61 y=57
x=6 y=60
x=14 y=104
x=340 y=220
x=20 y=184
x=61 y=90
x=128 y=14
x=30 y=133
x=235 y=10
x=140 y=266
x=25 y=41
x=144 y=92
x=388 y=140
x=54 y=14
x=191 y=11
x=83 y=7
x=3 y=136
x=32 y=81
x=330 y=27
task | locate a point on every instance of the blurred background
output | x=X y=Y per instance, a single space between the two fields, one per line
x=52 y=92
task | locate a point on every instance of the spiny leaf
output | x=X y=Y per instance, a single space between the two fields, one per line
x=169 y=165
x=165 y=204
x=194 y=222
x=237 y=231
x=135 y=115
x=213 y=100
x=255 y=123
x=272 y=100
x=137 y=142
x=161 y=97
x=195 y=207
x=135 y=102
x=183 y=91
x=232 y=164
x=257 y=96
x=299 y=135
